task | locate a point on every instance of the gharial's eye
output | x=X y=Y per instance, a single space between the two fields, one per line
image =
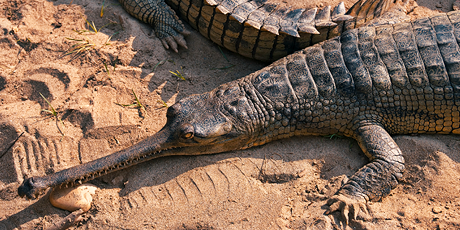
x=187 y=131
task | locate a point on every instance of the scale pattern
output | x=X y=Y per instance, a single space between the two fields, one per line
x=254 y=28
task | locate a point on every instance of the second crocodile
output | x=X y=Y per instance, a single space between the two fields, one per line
x=257 y=29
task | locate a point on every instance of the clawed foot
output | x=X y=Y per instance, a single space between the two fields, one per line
x=169 y=29
x=349 y=207
x=175 y=41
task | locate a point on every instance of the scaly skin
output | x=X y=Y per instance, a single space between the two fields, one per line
x=168 y=28
x=253 y=28
x=367 y=84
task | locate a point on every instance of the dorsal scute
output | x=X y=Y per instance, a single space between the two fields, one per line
x=334 y=58
x=300 y=77
x=319 y=70
x=389 y=54
x=352 y=58
x=371 y=59
x=408 y=50
x=273 y=83
x=453 y=56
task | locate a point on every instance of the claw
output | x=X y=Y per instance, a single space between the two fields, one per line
x=345 y=213
x=349 y=207
x=180 y=41
x=165 y=44
x=172 y=43
x=175 y=41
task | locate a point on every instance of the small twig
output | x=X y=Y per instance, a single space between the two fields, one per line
x=261 y=169
x=158 y=64
x=222 y=52
x=224 y=68
x=11 y=146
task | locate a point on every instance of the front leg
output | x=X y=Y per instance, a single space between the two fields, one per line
x=168 y=28
x=376 y=179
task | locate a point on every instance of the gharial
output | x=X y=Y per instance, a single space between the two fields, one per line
x=368 y=84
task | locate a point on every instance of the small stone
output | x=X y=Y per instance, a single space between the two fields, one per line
x=73 y=198
x=456 y=5
x=437 y=210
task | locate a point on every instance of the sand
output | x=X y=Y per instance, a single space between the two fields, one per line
x=284 y=184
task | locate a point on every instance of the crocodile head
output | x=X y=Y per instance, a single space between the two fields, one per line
x=205 y=124
x=212 y=122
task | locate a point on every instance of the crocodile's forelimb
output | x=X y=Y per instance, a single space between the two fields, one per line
x=373 y=181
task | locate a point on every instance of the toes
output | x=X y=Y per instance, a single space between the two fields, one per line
x=345 y=213
x=349 y=207
x=165 y=44
x=185 y=32
x=334 y=205
x=172 y=43
x=180 y=40
x=355 y=211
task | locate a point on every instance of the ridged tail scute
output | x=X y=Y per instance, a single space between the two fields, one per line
x=277 y=18
x=269 y=31
x=365 y=10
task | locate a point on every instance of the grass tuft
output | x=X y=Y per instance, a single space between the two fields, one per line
x=179 y=74
x=137 y=103
x=163 y=103
x=333 y=136
x=54 y=113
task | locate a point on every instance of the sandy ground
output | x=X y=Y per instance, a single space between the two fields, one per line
x=284 y=184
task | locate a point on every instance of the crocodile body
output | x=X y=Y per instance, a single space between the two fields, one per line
x=254 y=28
x=367 y=84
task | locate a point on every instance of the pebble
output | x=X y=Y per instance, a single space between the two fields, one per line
x=437 y=210
x=73 y=198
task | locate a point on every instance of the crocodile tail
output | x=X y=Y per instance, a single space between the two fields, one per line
x=364 y=11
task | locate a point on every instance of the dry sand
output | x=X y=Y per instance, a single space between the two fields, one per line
x=283 y=184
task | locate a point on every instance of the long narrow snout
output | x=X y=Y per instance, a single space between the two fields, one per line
x=152 y=147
